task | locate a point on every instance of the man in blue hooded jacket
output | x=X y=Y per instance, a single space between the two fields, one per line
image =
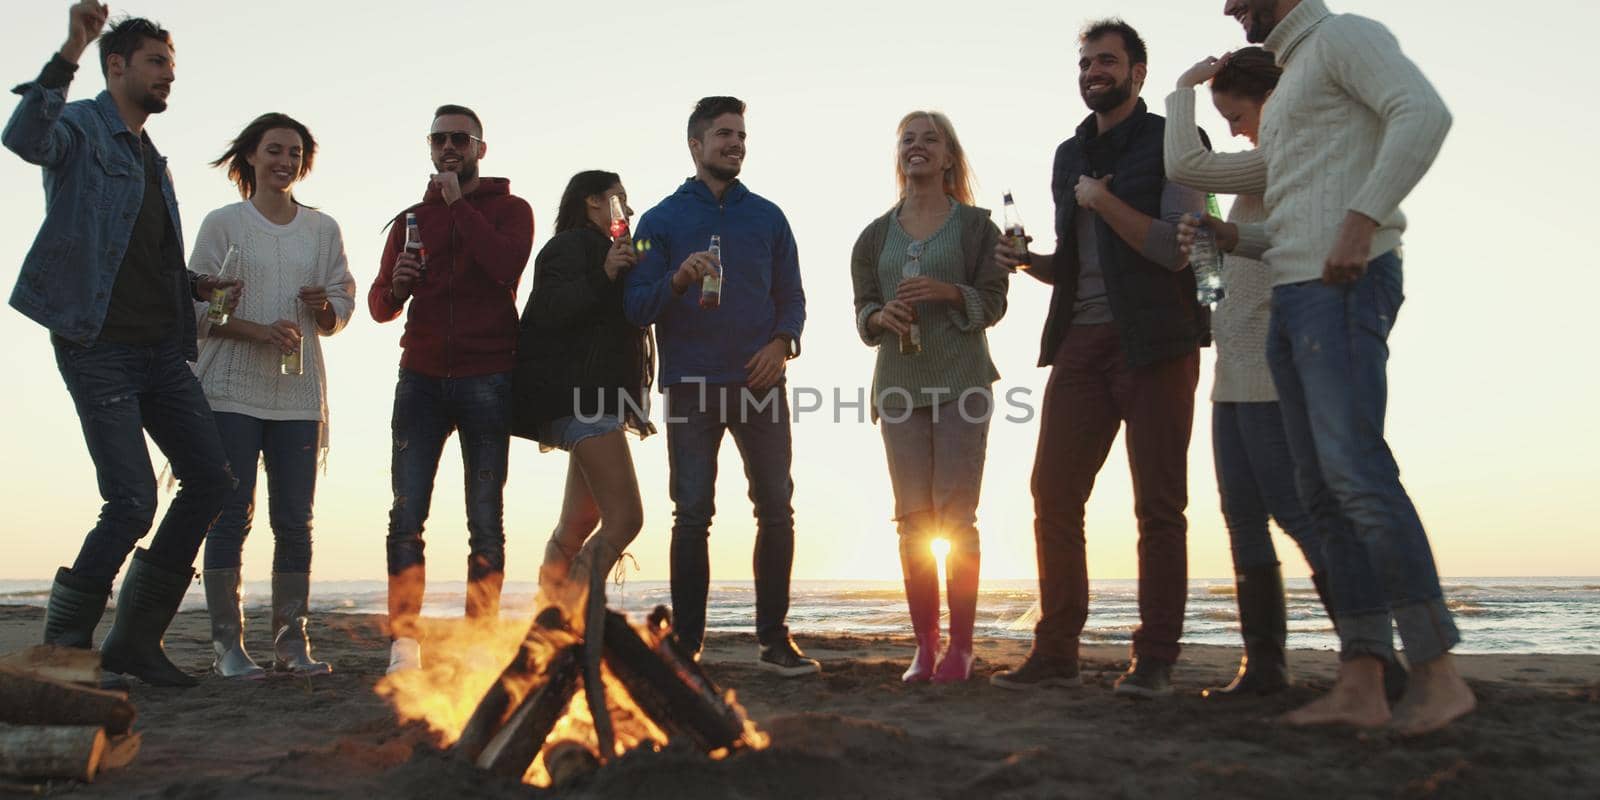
x=722 y=367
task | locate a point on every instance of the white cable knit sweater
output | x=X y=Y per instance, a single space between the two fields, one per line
x=1353 y=126
x=243 y=377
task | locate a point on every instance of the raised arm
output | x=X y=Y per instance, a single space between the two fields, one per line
x=1190 y=162
x=499 y=246
x=36 y=131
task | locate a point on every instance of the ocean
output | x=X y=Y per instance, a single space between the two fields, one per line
x=1496 y=615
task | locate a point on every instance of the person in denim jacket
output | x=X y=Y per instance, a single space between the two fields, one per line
x=106 y=276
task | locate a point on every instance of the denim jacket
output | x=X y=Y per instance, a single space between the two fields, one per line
x=93 y=188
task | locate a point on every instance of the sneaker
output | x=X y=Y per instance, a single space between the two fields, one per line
x=784 y=658
x=1039 y=672
x=404 y=653
x=1147 y=678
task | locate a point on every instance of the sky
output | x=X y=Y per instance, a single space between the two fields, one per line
x=1490 y=412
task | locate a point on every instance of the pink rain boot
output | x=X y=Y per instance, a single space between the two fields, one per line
x=961 y=575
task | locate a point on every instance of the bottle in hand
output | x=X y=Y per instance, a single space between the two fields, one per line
x=619 y=220
x=217 y=313
x=1206 y=260
x=414 y=245
x=711 y=285
x=1014 y=233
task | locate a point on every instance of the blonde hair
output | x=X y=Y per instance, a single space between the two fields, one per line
x=958 y=178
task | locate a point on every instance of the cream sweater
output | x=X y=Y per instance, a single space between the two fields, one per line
x=243 y=377
x=1239 y=324
x=1353 y=126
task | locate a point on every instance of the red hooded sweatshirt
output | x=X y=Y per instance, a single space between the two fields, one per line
x=463 y=318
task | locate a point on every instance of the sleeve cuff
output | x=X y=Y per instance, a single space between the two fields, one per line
x=867 y=336
x=969 y=316
x=58 y=73
x=1253 y=241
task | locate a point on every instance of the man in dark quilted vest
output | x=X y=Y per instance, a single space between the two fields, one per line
x=1122 y=340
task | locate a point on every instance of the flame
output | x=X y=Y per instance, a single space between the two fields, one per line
x=463 y=659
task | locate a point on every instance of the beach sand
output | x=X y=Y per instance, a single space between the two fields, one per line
x=857 y=732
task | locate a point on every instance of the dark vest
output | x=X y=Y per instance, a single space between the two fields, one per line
x=1157 y=315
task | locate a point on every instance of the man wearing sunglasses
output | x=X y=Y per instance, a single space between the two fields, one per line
x=457 y=354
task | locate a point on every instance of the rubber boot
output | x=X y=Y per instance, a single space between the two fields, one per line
x=961 y=579
x=226 y=607
x=1265 y=626
x=74 y=610
x=145 y=607
x=291 y=648
x=921 y=572
x=1395 y=676
x=483 y=589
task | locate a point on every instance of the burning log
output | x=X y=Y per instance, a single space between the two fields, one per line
x=518 y=742
x=520 y=679
x=670 y=687
x=567 y=760
x=32 y=699
x=56 y=751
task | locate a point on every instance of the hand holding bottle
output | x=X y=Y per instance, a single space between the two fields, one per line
x=620 y=258
x=1189 y=225
x=283 y=335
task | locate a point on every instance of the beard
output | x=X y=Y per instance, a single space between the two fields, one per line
x=465 y=174
x=152 y=103
x=1109 y=99
x=722 y=173
x=1263 y=18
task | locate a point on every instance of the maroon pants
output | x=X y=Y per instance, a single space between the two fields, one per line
x=1092 y=391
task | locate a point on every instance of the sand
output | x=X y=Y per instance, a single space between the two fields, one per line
x=857 y=732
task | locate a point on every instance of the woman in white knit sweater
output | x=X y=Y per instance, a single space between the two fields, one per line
x=262 y=371
x=1255 y=471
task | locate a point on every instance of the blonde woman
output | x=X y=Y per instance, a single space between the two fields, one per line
x=926 y=290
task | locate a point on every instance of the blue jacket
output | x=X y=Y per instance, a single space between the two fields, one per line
x=761 y=293
x=93 y=187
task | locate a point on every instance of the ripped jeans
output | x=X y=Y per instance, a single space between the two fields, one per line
x=426 y=411
x=289 y=450
x=121 y=393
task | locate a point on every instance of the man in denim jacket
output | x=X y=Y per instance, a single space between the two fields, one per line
x=106 y=276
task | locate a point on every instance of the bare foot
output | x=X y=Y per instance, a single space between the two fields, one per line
x=1436 y=697
x=1356 y=699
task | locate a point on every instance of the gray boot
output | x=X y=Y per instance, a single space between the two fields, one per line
x=291 y=648
x=226 y=605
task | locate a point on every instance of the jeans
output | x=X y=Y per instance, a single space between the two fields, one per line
x=289 y=448
x=120 y=392
x=697 y=415
x=1091 y=392
x=426 y=411
x=1329 y=355
x=936 y=456
x=1255 y=476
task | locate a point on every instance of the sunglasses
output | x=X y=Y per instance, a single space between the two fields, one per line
x=457 y=138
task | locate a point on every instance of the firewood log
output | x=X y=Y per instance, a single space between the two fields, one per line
x=514 y=747
x=695 y=713
x=121 y=750
x=67 y=664
x=55 y=751
x=517 y=681
x=568 y=760
x=34 y=700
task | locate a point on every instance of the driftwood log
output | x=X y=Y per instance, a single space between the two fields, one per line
x=29 y=699
x=66 y=664
x=518 y=742
x=522 y=677
x=51 y=751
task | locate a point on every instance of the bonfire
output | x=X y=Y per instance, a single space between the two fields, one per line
x=585 y=686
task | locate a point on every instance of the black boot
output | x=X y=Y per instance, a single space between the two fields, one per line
x=145 y=607
x=1395 y=677
x=1264 y=623
x=75 y=609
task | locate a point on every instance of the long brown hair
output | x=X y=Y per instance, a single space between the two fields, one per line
x=235 y=158
x=958 y=178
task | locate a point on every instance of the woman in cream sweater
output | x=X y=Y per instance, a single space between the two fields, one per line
x=262 y=370
x=1255 y=471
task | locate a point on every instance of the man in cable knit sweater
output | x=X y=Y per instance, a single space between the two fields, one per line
x=1351 y=129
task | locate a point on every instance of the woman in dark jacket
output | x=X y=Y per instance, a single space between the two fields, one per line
x=582 y=380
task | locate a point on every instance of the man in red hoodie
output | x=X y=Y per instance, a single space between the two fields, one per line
x=458 y=351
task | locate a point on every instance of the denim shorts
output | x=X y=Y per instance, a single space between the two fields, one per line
x=566 y=432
